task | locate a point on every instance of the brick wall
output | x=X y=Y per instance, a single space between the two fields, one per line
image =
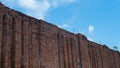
x=26 y=42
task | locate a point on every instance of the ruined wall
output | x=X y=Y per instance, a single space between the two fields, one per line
x=26 y=42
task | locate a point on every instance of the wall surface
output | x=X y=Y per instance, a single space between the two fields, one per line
x=26 y=42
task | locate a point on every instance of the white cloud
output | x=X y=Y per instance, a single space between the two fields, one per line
x=90 y=39
x=63 y=26
x=36 y=8
x=28 y=3
x=56 y=3
x=91 y=28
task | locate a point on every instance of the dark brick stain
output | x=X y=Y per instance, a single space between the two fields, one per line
x=26 y=42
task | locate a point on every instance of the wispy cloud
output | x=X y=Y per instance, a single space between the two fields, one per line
x=28 y=3
x=90 y=39
x=36 y=8
x=56 y=3
x=63 y=26
x=90 y=28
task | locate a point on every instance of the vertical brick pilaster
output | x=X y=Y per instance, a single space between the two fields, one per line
x=35 y=45
x=59 y=55
x=70 y=53
x=75 y=50
x=84 y=51
x=61 y=50
x=99 y=59
x=26 y=42
x=39 y=44
x=3 y=47
x=30 y=44
x=63 y=46
x=1 y=22
x=17 y=42
x=66 y=53
x=79 y=60
x=104 y=60
x=8 y=41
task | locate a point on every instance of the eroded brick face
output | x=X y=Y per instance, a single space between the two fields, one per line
x=26 y=42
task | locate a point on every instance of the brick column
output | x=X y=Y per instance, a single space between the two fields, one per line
x=17 y=42
x=1 y=30
x=84 y=51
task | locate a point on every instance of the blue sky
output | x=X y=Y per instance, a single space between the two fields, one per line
x=99 y=20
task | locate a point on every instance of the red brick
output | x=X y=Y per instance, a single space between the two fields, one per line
x=26 y=42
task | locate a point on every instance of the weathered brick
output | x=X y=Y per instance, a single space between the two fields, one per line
x=26 y=42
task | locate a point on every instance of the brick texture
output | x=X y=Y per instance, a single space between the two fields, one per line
x=26 y=42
